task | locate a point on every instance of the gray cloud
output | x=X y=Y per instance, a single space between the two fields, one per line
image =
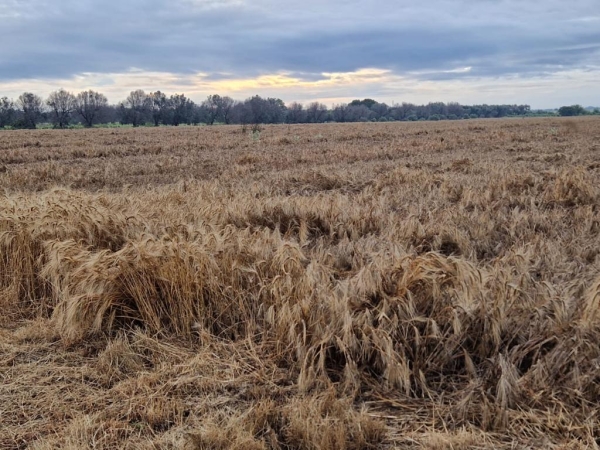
x=57 y=40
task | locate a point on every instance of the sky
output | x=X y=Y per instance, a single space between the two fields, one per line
x=545 y=53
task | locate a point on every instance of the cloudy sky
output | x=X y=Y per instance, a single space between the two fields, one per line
x=544 y=53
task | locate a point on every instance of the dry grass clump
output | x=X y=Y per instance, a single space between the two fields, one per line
x=29 y=222
x=321 y=421
x=573 y=187
x=374 y=288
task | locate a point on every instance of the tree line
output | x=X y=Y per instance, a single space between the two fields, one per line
x=63 y=109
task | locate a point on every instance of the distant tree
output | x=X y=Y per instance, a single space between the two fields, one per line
x=136 y=108
x=403 y=111
x=256 y=110
x=340 y=113
x=218 y=109
x=262 y=110
x=161 y=107
x=379 y=110
x=62 y=104
x=227 y=104
x=296 y=113
x=437 y=109
x=7 y=112
x=212 y=107
x=524 y=109
x=238 y=113
x=316 y=113
x=276 y=110
x=198 y=114
x=109 y=114
x=31 y=106
x=183 y=109
x=89 y=104
x=455 y=110
x=140 y=108
x=573 y=110
x=368 y=102
x=358 y=113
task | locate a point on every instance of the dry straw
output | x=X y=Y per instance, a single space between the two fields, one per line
x=378 y=288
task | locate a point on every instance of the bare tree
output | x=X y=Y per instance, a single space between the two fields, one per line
x=183 y=109
x=217 y=108
x=379 y=110
x=62 y=105
x=161 y=107
x=358 y=113
x=136 y=107
x=32 y=107
x=7 y=112
x=340 y=112
x=257 y=110
x=227 y=104
x=88 y=105
x=316 y=112
x=296 y=113
x=212 y=108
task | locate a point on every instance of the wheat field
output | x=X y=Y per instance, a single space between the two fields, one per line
x=337 y=286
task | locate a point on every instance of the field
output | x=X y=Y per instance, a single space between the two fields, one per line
x=338 y=286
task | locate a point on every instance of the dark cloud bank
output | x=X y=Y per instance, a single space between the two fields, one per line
x=246 y=39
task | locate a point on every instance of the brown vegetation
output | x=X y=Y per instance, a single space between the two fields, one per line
x=321 y=287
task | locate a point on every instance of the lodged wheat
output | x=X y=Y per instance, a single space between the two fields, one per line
x=377 y=288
